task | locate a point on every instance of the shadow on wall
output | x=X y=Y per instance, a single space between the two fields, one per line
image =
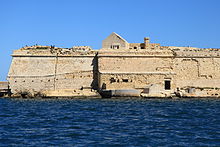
x=94 y=83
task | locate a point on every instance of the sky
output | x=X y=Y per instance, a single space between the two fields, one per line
x=67 y=23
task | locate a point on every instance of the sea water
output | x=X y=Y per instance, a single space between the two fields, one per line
x=109 y=122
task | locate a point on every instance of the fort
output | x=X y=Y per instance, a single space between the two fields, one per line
x=119 y=68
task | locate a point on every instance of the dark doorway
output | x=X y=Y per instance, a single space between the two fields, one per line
x=167 y=85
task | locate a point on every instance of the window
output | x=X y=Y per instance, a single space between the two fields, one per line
x=115 y=46
x=112 y=80
x=167 y=85
x=124 y=80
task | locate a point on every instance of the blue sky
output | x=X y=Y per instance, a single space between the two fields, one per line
x=66 y=23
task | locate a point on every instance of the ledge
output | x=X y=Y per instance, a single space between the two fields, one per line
x=146 y=73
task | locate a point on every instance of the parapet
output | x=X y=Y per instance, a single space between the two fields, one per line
x=38 y=50
x=135 y=53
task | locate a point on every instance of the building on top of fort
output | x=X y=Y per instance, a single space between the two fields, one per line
x=115 y=41
x=118 y=69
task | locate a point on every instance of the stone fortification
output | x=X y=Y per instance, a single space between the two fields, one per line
x=46 y=70
x=149 y=68
x=4 y=89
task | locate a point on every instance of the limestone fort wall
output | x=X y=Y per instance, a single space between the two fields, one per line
x=36 y=73
x=134 y=69
x=201 y=70
x=118 y=65
x=131 y=70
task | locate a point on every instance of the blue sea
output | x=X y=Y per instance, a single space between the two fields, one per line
x=109 y=122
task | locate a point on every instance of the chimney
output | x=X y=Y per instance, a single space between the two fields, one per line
x=146 y=40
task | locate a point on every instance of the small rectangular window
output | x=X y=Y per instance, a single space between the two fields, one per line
x=115 y=46
x=124 y=80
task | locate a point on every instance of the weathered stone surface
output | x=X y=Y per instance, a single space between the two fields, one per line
x=4 y=89
x=163 y=70
x=3 y=85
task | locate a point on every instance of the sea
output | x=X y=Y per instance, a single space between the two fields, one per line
x=116 y=122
